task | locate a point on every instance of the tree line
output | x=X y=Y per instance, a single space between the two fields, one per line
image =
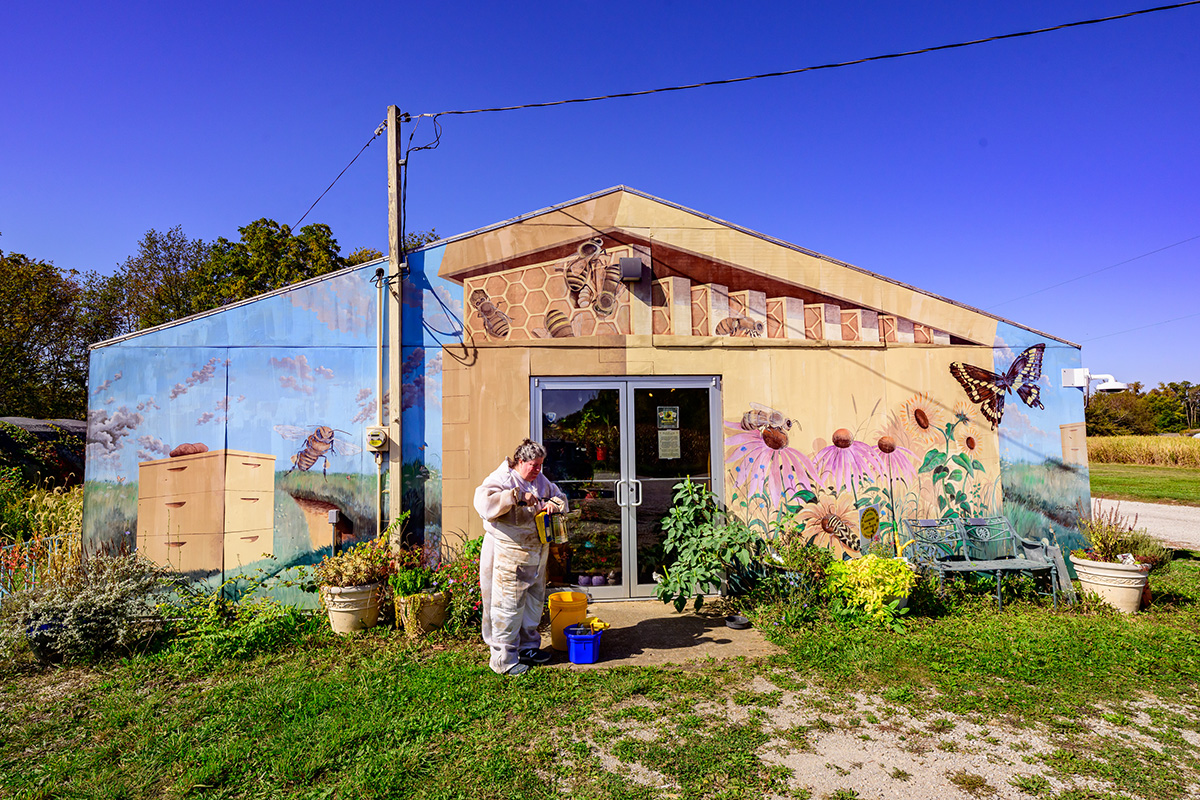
x=1169 y=408
x=53 y=315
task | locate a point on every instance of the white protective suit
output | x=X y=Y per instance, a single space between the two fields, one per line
x=512 y=566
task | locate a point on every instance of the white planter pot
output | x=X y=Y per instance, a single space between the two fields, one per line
x=351 y=608
x=1119 y=585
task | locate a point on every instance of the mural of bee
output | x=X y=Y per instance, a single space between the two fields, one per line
x=610 y=284
x=495 y=322
x=558 y=325
x=773 y=424
x=317 y=445
x=739 y=326
x=579 y=270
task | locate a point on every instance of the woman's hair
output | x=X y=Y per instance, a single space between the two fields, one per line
x=528 y=450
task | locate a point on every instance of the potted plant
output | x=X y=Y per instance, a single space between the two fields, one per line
x=1117 y=565
x=422 y=598
x=351 y=582
x=877 y=587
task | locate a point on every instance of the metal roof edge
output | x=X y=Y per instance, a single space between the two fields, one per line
x=238 y=304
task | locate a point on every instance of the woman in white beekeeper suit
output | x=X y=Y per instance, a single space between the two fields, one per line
x=512 y=566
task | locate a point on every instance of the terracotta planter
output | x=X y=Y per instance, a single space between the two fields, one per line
x=1119 y=585
x=422 y=613
x=351 y=608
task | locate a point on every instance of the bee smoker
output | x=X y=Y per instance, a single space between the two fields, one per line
x=551 y=527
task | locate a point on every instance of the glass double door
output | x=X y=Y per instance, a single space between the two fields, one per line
x=617 y=447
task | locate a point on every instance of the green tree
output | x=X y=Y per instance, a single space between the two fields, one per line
x=162 y=280
x=1189 y=396
x=269 y=256
x=1120 y=414
x=44 y=359
x=1166 y=410
x=362 y=255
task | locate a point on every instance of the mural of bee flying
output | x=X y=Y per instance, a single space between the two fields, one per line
x=739 y=326
x=773 y=424
x=317 y=445
x=610 y=284
x=495 y=322
x=988 y=389
x=558 y=325
x=579 y=269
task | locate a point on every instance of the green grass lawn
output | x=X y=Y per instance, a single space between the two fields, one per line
x=1052 y=699
x=1146 y=484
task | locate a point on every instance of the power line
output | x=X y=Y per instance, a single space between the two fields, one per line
x=821 y=66
x=1142 y=327
x=374 y=136
x=1093 y=272
x=725 y=81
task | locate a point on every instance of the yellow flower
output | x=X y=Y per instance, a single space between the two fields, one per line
x=969 y=439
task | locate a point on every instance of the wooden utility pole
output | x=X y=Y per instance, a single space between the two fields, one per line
x=396 y=265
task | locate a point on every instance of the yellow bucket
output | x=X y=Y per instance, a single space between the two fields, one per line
x=566 y=608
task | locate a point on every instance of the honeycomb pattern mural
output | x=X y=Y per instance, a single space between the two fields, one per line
x=576 y=296
x=582 y=295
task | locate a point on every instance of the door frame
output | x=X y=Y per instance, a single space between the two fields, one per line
x=626 y=384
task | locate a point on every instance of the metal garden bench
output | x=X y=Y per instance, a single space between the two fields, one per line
x=984 y=544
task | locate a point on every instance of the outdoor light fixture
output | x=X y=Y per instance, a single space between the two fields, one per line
x=1083 y=379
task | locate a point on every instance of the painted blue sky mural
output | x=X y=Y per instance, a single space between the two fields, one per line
x=227 y=380
x=1030 y=434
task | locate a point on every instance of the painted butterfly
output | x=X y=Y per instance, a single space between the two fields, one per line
x=988 y=389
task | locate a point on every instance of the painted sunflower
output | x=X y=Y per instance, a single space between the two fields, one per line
x=970 y=439
x=831 y=522
x=847 y=460
x=924 y=420
x=964 y=413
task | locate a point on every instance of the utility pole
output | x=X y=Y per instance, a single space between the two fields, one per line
x=396 y=268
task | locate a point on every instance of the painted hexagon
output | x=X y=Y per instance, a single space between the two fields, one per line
x=536 y=302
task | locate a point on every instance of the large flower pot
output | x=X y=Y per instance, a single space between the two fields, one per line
x=351 y=608
x=422 y=613
x=1119 y=585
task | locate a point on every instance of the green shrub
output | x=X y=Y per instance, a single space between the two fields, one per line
x=702 y=544
x=871 y=586
x=104 y=606
x=206 y=628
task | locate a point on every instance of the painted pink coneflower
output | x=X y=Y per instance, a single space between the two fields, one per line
x=763 y=461
x=847 y=460
x=895 y=461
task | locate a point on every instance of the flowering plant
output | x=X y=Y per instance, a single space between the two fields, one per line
x=1111 y=535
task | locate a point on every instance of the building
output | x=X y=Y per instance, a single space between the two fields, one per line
x=641 y=342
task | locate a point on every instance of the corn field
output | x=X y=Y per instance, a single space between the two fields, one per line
x=41 y=539
x=1160 y=451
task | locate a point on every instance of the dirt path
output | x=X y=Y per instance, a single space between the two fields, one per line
x=1176 y=526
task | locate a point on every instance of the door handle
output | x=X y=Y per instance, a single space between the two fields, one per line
x=637 y=484
x=621 y=498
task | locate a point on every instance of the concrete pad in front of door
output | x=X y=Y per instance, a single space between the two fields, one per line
x=648 y=633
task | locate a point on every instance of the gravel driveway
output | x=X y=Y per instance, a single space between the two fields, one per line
x=1176 y=526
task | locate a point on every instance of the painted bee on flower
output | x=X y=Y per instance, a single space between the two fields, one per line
x=773 y=425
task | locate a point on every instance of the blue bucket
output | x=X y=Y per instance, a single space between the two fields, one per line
x=583 y=646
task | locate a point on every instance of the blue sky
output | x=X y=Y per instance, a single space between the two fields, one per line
x=981 y=174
